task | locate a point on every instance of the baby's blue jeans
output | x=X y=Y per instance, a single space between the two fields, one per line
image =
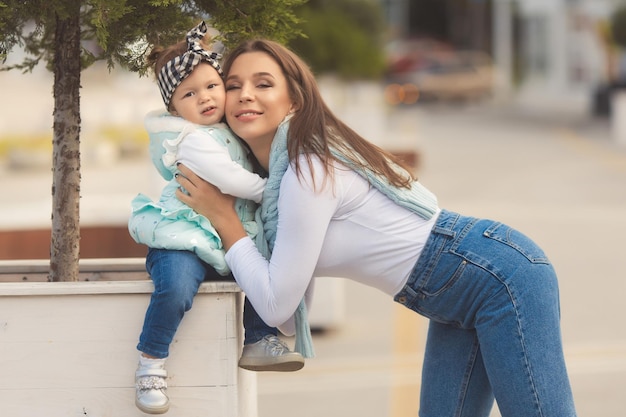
x=177 y=275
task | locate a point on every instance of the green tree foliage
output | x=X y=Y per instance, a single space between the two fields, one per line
x=69 y=35
x=344 y=37
x=237 y=20
x=123 y=31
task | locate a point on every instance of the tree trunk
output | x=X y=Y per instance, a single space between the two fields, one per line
x=64 y=247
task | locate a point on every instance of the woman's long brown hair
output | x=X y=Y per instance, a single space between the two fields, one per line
x=314 y=129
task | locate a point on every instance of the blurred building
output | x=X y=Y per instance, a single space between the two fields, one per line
x=552 y=47
x=563 y=45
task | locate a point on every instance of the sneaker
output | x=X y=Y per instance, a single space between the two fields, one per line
x=270 y=354
x=150 y=390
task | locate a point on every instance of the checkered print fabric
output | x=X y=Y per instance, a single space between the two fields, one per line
x=179 y=68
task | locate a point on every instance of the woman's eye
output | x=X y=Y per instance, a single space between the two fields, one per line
x=232 y=87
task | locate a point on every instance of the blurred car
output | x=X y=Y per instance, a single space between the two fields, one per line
x=440 y=75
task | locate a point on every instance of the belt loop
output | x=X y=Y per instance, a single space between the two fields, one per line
x=445 y=223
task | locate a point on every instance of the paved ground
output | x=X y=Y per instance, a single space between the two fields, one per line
x=551 y=172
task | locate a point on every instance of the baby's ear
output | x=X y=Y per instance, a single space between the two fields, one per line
x=171 y=109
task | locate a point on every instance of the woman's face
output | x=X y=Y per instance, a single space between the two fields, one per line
x=257 y=98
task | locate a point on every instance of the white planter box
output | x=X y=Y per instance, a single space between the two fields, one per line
x=68 y=349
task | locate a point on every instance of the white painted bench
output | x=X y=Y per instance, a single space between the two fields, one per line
x=67 y=349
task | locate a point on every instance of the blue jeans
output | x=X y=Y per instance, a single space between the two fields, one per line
x=177 y=275
x=492 y=299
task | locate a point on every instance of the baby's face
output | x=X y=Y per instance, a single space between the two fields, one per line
x=200 y=97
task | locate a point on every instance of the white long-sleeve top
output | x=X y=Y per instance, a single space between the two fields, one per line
x=343 y=229
x=211 y=161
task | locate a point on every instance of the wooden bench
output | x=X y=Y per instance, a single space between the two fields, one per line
x=68 y=348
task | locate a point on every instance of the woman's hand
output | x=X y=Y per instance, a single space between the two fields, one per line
x=208 y=200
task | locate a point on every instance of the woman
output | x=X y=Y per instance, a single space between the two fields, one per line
x=343 y=207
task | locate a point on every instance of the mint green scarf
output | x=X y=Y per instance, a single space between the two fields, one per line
x=268 y=213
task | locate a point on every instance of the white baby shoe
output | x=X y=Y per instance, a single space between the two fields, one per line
x=151 y=386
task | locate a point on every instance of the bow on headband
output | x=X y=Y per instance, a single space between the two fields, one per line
x=179 y=68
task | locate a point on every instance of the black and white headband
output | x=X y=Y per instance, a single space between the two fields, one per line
x=179 y=68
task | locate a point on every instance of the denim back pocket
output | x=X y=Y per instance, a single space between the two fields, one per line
x=518 y=241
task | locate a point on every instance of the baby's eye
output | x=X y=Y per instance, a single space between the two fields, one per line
x=189 y=94
x=211 y=86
